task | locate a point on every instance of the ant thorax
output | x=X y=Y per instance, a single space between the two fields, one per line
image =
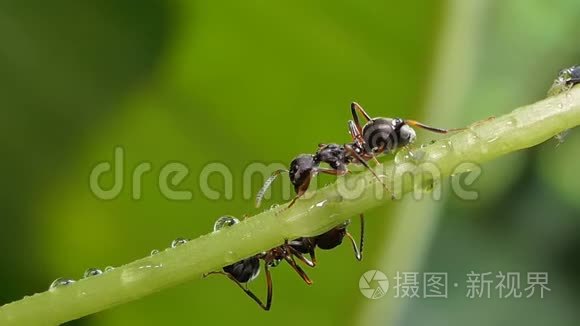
x=334 y=155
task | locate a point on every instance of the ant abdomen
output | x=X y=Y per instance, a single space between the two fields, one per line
x=244 y=270
x=380 y=136
x=384 y=135
x=331 y=239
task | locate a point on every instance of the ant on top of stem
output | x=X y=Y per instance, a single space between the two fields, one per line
x=384 y=135
x=305 y=166
x=375 y=137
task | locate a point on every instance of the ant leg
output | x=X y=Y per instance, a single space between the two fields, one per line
x=414 y=123
x=355 y=132
x=300 y=193
x=310 y=262
x=311 y=252
x=362 y=234
x=301 y=190
x=365 y=164
x=331 y=171
x=297 y=268
x=354 y=107
x=247 y=291
x=313 y=257
x=357 y=253
x=357 y=137
x=270 y=289
x=267 y=184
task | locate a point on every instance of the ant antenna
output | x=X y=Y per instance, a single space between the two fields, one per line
x=267 y=185
x=362 y=234
x=414 y=123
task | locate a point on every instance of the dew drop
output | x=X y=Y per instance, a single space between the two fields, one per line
x=418 y=155
x=402 y=157
x=154 y=252
x=92 y=272
x=274 y=206
x=320 y=204
x=224 y=221
x=61 y=281
x=109 y=269
x=448 y=145
x=178 y=242
x=472 y=137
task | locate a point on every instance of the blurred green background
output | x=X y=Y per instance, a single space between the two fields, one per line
x=210 y=81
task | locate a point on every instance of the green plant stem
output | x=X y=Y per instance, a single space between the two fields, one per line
x=483 y=141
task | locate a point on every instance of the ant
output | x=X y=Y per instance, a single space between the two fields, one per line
x=384 y=135
x=305 y=166
x=329 y=240
x=566 y=79
x=377 y=136
x=246 y=270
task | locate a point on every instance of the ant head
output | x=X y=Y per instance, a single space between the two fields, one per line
x=406 y=134
x=300 y=169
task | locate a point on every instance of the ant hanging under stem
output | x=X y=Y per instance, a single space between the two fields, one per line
x=246 y=270
x=329 y=240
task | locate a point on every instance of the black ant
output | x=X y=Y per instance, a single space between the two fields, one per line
x=377 y=136
x=329 y=240
x=384 y=135
x=246 y=270
x=305 y=166
x=567 y=78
